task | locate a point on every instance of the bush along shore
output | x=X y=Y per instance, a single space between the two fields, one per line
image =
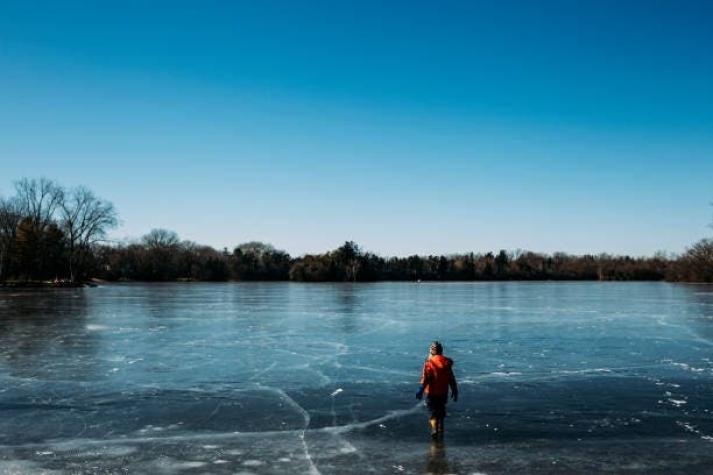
x=51 y=236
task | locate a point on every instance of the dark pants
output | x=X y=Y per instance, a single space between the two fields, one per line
x=437 y=405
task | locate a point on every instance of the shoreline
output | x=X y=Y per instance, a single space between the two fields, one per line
x=97 y=282
x=42 y=284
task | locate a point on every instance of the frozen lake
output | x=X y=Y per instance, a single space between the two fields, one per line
x=294 y=378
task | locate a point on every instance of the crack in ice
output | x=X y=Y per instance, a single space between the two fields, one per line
x=313 y=470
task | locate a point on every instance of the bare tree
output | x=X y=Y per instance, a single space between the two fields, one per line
x=255 y=247
x=10 y=217
x=85 y=219
x=161 y=239
x=39 y=199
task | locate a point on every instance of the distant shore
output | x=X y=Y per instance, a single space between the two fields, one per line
x=97 y=282
x=46 y=284
x=42 y=244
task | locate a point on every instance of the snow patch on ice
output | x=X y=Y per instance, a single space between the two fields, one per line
x=586 y=371
x=504 y=373
x=189 y=464
x=117 y=451
x=694 y=430
x=23 y=466
x=685 y=366
x=150 y=428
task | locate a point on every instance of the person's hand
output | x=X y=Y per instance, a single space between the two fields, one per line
x=419 y=393
x=454 y=396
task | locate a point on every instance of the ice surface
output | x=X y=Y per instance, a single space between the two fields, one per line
x=289 y=378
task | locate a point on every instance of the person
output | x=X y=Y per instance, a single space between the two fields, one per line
x=437 y=377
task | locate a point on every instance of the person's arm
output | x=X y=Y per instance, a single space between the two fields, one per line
x=454 y=386
x=425 y=378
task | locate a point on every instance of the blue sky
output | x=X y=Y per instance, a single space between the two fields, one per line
x=410 y=127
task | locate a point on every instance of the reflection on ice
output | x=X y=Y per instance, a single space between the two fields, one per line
x=437 y=460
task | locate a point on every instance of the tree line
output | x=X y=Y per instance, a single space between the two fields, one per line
x=161 y=256
x=48 y=232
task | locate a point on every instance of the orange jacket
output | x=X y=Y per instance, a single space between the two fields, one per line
x=438 y=376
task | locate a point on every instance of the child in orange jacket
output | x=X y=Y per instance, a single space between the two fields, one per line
x=436 y=378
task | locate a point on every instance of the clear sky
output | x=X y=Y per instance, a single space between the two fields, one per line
x=409 y=127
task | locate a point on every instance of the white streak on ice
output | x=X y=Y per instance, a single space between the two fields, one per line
x=693 y=429
x=263 y=371
x=312 y=467
x=363 y=425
